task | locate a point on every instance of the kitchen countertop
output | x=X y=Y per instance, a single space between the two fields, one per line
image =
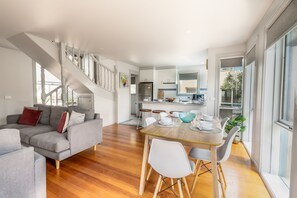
x=173 y=103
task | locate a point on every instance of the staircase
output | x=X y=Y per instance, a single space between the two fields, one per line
x=79 y=70
x=88 y=63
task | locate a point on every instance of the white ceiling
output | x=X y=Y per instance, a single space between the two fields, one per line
x=143 y=32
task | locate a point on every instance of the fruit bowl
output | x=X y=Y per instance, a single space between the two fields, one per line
x=187 y=117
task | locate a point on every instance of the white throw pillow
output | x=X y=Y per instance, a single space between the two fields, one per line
x=76 y=118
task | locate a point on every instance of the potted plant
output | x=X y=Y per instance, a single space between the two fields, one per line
x=236 y=121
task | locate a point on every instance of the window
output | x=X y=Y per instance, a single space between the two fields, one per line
x=49 y=89
x=279 y=112
x=231 y=82
x=188 y=83
x=290 y=53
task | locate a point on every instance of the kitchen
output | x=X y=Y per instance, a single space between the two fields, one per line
x=173 y=88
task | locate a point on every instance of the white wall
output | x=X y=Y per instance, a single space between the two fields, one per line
x=120 y=108
x=124 y=97
x=214 y=56
x=16 y=80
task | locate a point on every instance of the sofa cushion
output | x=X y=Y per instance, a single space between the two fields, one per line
x=76 y=118
x=9 y=140
x=30 y=117
x=27 y=133
x=52 y=141
x=46 y=111
x=14 y=126
x=90 y=113
x=63 y=123
x=56 y=112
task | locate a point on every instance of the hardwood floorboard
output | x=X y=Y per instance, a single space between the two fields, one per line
x=114 y=171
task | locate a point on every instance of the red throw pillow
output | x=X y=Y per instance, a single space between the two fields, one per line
x=30 y=117
x=63 y=123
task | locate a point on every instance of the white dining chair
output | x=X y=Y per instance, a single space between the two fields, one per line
x=223 y=153
x=170 y=160
x=149 y=121
x=163 y=115
x=223 y=123
x=195 y=111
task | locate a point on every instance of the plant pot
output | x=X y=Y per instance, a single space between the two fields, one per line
x=236 y=139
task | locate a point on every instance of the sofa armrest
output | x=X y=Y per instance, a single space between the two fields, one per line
x=17 y=173
x=13 y=119
x=40 y=175
x=85 y=135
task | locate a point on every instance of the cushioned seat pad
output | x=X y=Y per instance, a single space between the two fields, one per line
x=14 y=126
x=27 y=131
x=52 y=141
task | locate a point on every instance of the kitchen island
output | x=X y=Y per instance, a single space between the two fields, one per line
x=174 y=106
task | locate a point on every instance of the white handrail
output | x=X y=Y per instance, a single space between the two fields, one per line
x=102 y=76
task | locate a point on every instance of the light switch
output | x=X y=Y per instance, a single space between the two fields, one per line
x=7 y=97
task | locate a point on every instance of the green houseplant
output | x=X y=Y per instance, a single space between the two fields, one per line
x=236 y=121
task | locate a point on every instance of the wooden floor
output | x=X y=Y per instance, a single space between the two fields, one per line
x=114 y=171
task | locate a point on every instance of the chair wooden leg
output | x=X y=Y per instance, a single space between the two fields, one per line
x=157 y=186
x=196 y=176
x=187 y=187
x=149 y=174
x=196 y=165
x=224 y=178
x=95 y=147
x=181 y=195
x=160 y=188
x=221 y=182
x=57 y=164
x=172 y=184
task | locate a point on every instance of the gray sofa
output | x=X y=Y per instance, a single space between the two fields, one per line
x=22 y=171
x=58 y=146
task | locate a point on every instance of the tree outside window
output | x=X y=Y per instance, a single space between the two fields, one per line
x=231 y=87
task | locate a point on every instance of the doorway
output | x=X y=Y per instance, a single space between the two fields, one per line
x=133 y=96
x=133 y=100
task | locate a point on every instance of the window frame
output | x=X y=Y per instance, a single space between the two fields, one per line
x=281 y=121
x=242 y=86
x=178 y=84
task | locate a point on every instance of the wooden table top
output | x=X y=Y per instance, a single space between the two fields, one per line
x=183 y=133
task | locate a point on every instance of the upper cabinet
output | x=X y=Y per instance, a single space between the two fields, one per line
x=147 y=75
x=166 y=76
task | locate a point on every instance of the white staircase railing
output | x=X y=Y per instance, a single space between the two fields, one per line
x=92 y=68
x=54 y=97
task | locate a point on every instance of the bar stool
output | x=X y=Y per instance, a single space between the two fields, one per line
x=158 y=113
x=171 y=112
x=140 y=114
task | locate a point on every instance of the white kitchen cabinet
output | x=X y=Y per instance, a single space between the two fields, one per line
x=147 y=75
